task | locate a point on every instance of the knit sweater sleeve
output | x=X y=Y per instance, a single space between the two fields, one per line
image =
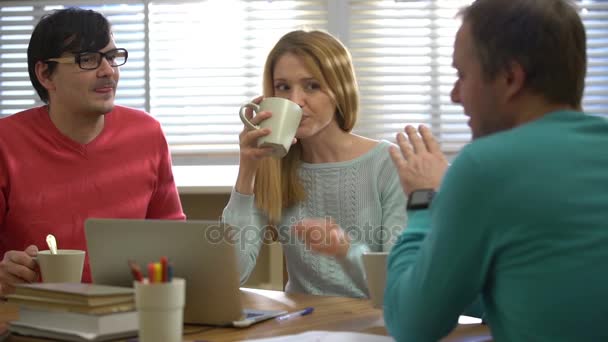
x=394 y=218
x=249 y=224
x=439 y=263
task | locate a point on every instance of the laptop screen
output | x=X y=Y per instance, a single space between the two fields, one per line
x=199 y=251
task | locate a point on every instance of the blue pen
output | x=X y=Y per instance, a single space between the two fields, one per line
x=291 y=315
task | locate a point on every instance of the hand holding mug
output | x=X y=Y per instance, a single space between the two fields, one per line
x=275 y=125
x=248 y=138
x=18 y=267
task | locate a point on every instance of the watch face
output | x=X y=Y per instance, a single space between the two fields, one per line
x=421 y=197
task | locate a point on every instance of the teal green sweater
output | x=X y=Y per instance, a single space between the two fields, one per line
x=362 y=195
x=522 y=219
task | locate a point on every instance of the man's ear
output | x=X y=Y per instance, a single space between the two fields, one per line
x=514 y=78
x=43 y=75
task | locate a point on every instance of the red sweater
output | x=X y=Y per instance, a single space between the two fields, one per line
x=52 y=184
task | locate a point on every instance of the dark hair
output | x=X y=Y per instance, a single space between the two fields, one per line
x=547 y=37
x=71 y=29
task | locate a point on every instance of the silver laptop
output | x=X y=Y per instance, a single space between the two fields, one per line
x=199 y=251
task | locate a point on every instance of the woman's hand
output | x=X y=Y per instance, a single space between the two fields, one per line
x=250 y=154
x=323 y=235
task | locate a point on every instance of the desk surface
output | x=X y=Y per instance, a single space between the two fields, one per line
x=331 y=313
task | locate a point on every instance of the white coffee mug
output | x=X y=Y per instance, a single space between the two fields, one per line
x=375 y=273
x=63 y=267
x=283 y=123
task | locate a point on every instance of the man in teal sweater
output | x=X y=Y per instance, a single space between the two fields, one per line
x=522 y=214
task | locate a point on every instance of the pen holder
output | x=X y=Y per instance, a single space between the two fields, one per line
x=160 y=310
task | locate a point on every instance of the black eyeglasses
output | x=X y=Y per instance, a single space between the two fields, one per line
x=92 y=60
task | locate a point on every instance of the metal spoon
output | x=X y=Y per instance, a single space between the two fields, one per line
x=50 y=240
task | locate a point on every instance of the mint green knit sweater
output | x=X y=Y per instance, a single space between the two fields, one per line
x=362 y=195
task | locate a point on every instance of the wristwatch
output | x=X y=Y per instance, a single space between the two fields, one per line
x=420 y=199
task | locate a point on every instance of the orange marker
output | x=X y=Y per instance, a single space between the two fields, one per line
x=164 y=261
x=151 y=272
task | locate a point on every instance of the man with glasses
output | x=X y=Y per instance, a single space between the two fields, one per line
x=79 y=156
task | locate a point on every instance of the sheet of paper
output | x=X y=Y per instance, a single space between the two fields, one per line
x=327 y=336
x=468 y=320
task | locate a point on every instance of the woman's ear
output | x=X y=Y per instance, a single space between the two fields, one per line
x=43 y=74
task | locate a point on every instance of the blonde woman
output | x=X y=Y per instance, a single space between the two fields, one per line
x=335 y=195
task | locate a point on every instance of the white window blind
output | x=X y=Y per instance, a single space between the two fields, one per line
x=192 y=63
x=403 y=55
x=17 y=21
x=595 y=18
x=207 y=58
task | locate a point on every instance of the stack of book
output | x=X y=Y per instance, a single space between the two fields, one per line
x=74 y=311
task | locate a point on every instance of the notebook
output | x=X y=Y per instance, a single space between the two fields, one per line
x=200 y=252
x=74 y=326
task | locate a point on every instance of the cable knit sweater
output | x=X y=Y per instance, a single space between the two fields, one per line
x=362 y=195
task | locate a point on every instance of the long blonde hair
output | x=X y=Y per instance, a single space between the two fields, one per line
x=277 y=185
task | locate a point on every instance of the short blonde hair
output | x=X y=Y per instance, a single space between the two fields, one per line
x=277 y=185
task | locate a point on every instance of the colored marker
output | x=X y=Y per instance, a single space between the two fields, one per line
x=158 y=273
x=136 y=271
x=163 y=265
x=170 y=272
x=151 y=272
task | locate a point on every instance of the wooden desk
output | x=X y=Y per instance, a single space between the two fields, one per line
x=331 y=313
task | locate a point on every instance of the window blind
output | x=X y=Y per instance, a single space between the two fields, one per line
x=595 y=18
x=207 y=58
x=192 y=63
x=403 y=54
x=17 y=21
